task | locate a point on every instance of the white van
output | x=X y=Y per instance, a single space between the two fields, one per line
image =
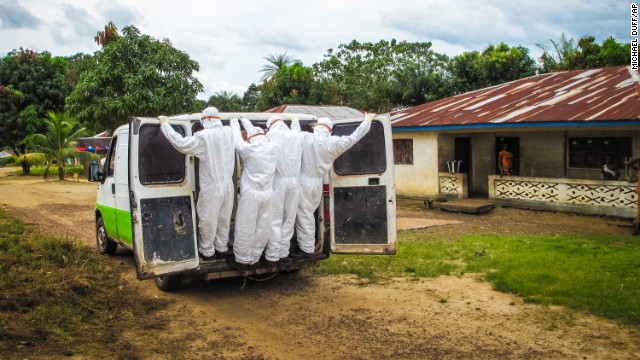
x=147 y=193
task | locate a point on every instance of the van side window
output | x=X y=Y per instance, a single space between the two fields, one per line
x=112 y=156
x=158 y=161
x=367 y=156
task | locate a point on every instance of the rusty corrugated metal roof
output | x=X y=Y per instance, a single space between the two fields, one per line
x=602 y=94
x=332 y=112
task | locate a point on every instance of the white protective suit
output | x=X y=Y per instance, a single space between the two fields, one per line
x=253 y=216
x=285 y=187
x=320 y=149
x=215 y=149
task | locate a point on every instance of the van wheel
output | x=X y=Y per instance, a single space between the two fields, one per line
x=106 y=246
x=168 y=282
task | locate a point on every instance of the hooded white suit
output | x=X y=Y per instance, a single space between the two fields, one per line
x=215 y=149
x=285 y=187
x=320 y=149
x=253 y=216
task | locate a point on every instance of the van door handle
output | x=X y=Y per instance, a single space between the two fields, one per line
x=113 y=188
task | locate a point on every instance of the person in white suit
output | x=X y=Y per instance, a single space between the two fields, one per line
x=319 y=150
x=285 y=187
x=259 y=157
x=214 y=148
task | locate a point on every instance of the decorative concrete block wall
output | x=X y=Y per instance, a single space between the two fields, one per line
x=453 y=184
x=601 y=197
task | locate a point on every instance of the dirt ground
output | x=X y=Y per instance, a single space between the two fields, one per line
x=295 y=316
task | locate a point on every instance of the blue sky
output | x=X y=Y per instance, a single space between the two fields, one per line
x=230 y=39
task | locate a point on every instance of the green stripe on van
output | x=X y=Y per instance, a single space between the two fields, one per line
x=117 y=223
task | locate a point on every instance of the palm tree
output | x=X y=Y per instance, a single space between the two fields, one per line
x=58 y=141
x=225 y=101
x=109 y=34
x=565 y=49
x=275 y=63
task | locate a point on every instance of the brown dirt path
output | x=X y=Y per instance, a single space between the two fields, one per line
x=295 y=316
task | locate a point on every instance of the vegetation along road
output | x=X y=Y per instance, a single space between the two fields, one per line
x=434 y=299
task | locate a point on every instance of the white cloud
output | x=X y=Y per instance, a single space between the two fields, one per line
x=230 y=39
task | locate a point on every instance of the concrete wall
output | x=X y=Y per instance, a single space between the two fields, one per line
x=421 y=178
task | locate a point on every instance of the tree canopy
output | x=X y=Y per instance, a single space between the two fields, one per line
x=495 y=65
x=383 y=75
x=225 y=101
x=30 y=85
x=134 y=74
x=566 y=54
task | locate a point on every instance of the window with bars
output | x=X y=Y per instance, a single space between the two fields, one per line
x=590 y=152
x=403 y=151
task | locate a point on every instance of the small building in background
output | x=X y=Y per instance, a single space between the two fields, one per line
x=5 y=154
x=559 y=127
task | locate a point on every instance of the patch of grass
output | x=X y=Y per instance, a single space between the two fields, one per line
x=59 y=298
x=599 y=274
x=53 y=171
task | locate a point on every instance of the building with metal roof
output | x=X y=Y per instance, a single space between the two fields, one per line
x=558 y=126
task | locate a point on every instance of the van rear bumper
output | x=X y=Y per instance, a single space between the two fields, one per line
x=219 y=269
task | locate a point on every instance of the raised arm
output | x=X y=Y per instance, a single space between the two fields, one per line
x=343 y=143
x=295 y=124
x=190 y=145
x=239 y=142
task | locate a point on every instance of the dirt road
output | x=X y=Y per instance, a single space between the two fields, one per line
x=297 y=316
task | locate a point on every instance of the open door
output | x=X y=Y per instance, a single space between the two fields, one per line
x=363 y=203
x=161 y=195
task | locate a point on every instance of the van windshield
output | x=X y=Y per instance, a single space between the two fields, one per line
x=368 y=156
x=158 y=161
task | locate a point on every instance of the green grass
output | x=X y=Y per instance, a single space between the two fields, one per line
x=598 y=274
x=59 y=298
x=53 y=170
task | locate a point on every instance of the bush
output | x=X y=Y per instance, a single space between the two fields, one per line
x=53 y=170
x=8 y=161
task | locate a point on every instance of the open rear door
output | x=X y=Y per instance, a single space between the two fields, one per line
x=162 y=207
x=363 y=203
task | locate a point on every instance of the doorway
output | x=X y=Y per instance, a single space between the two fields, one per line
x=462 y=151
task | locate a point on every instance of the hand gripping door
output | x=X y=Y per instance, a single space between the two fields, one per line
x=162 y=207
x=362 y=201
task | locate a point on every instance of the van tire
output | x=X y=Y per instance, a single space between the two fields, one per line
x=105 y=245
x=168 y=283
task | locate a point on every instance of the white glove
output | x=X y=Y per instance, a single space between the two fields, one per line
x=369 y=116
x=233 y=121
x=163 y=119
x=295 y=118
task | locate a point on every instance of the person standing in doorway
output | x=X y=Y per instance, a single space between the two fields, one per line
x=505 y=160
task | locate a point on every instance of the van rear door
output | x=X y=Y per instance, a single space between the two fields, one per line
x=161 y=195
x=363 y=204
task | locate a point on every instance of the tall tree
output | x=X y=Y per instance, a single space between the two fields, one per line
x=30 y=85
x=275 y=62
x=225 y=101
x=495 y=65
x=585 y=54
x=372 y=76
x=134 y=74
x=250 y=98
x=290 y=85
x=57 y=143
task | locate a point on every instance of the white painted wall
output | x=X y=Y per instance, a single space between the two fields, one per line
x=421 y=178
